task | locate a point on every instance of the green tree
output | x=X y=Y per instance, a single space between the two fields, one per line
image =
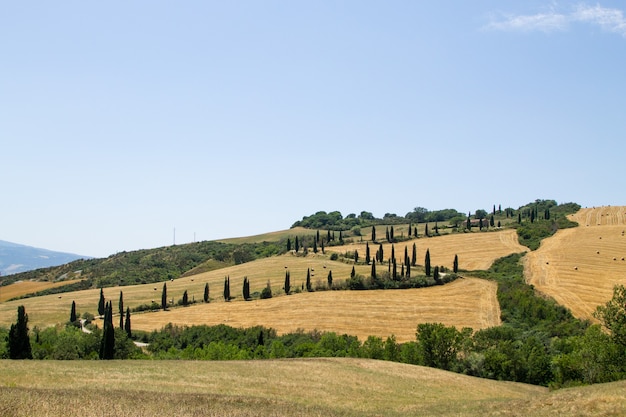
x=414 y=255
x=246 y=289
x=356 y=256
x=330 y=279
x=127 y=324
x=426 y=233
x=107 y=345
x=73 y=313
x=367 y=253
x=612 y=315
x=373 y=233
x=164 y=297
x=287 y=286
x=427 y=263
x=373 y=269
x=101 y=306
x=391 y=237
x=267 y=291
x=436 y=275
x=288 y=245
x=206 y=293
x=121 y=310
x=314 y=246
x=455 y=264
x=226 y=288
x=439 y=345
x=185 y=301
x=309 y=287
x=353 y=273
x=297 y=245
x=18 y=340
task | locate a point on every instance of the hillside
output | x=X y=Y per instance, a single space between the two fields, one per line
x=304 y=387
x=579 y=267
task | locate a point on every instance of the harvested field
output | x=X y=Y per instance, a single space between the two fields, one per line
x=579 y=267
x=476 y=250
x=28 y=287
x=464 y=303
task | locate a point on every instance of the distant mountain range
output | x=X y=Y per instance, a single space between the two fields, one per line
x=15 y=258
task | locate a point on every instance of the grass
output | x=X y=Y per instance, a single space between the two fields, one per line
x=579 y=267
x=302 y=387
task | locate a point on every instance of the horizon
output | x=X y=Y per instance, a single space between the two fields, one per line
x=226 y=120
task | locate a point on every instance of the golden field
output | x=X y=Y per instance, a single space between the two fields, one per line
x=28 y=287
x=299 y=387
x=579 y=267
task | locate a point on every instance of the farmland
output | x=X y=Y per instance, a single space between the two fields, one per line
x=578 y=267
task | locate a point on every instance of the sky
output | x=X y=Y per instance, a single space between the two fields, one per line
x=139 y=124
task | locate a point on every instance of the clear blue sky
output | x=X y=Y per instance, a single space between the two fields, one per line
x=120 y=121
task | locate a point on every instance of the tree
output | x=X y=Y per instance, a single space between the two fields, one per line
x=246 y=289
x=408 y=270
x=101 y=307
x=353 y=273
x=426 y=230
x=107 y=344
x=164 y=297
x=356 y=256
x=373 y=269
x=455 y=264
x=288 y=245
x=267 y=291
x=73 y=312
x=415 y=231
x=436 y=275
x=394 y=274
x=18 y=340
x=373 y=233
x=226 y=288
x=492 y=221
x=287 y=286
x=314 y=246
x=121 y=310
x=185 y=298
x=391 y=234
x=393 y=252
x=322 y=243
x=380 y=254
x=438 y=345
x=127 y=324
x=427 y=263
x=330 y=279
x=297 y=245
x=387 y=234
x=206 y=293
x=367 y=253
x=309 y=287
x=414 y=255
x=612 y=315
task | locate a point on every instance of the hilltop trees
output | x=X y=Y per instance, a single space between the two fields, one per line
x=18 y=340
x=612 y=315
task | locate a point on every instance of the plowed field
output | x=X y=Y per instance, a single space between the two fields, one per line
x=579 y=267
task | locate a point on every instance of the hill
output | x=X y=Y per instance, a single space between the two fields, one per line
x=303 y=387
x=15 y=258
x=579 y=267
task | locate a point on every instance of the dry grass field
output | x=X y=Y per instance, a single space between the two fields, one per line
x=463 y=303
x=302 y=387
x=476 y=251
x=579 y=267
x=28 y=287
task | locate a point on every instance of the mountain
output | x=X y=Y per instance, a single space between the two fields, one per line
x=15 y=258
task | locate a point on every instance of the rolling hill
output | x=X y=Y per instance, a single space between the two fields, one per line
x=15 y=258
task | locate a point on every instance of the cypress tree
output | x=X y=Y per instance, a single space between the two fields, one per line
x=408 y=270
x=391 y=234
x=18 y=340
x=206 y=293
x=226 y=288
x=426 y=230
x=328 y=236
x=121 y=310
x=246 y=289
x=380 y=254
x=107 y=344
x=373 y=233
x=164 y=297
x=367 y=253
x=393 y=252
x=356 y=256
x=492 y=221
x=402 y=271
x=494 y=210
x=468 y=224
x=353 y=273
x=415 y=231
x=101 y=306
x=406 y=255
x=287 y=286
x=480 y=224
x=414 y=255
x=330 y=279
x=314 y=246
x=309 y=287
x=499 y=223
x=374 y=269
x=394 y=274
x=340 y=236
x=127 y=324
x=185 y=298
x=427 y=263
x=73 y=312
x=288 y=245
x=436 y=228
x=323 y=251
x=317 y=236
x=297 y=244
x=436 y=275
x=387 y=234
x=455 y=265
